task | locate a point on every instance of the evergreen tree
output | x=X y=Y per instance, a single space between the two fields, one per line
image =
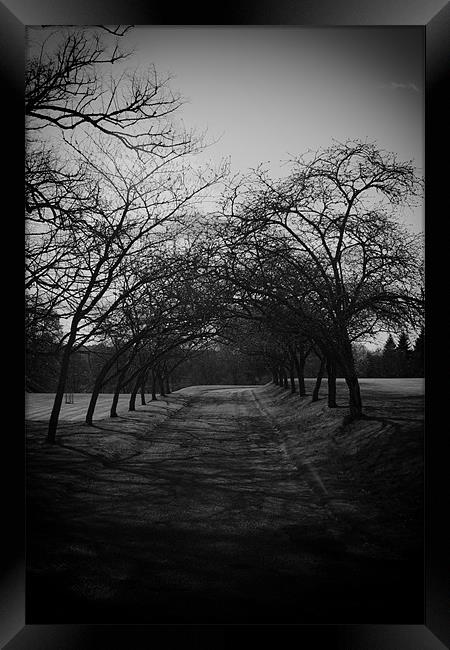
x=389 y=363
x=419 y=355
x=361 y=357
x=374 y=364
x=404 y=356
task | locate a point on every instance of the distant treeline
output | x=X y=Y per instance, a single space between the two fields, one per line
x=42 y=367
x=218 y=365
x=400 y=358
x=395 y=359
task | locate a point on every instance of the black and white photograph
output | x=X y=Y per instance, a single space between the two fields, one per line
x=225 y=324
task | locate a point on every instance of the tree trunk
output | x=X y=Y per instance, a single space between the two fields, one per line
x=315 y=394
x=285 y=378
x=54 y=417
x=143 y=379
x=292 y=376
x=355 y=401
x=97 y=388
x=301 y=379
x=113 y=411
x=132 y=402
x=351 y=379
x=134 y=392
x=300 y=367
x=101 y=378
x=331 y=372
x=94 y=396
x=168 y=391
x=63 y=371
x=154 y=398
x=161 y=385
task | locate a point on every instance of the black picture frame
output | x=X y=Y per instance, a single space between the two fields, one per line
x=434 y=632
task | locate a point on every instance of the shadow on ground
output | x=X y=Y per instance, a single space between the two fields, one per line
x=205 y=519
x=173 y=575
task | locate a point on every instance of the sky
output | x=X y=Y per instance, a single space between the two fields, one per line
x=266 y=94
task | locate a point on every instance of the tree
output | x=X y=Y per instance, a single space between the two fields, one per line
x=163 y=316
x=75 y=79
x=108 y=182
x=390 y=358
x=373 y=364
x=269 y=288
x=76 y=89
x=362 y=271
x=42 y=349
x=404 y=356
x=419 y=354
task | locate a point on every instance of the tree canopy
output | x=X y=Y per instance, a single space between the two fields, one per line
x=123 y=255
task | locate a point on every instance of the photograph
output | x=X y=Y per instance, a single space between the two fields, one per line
x=224 y=324
x=232 y=401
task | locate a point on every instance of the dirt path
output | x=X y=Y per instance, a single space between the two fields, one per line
x=208 y=521
x=221 y=466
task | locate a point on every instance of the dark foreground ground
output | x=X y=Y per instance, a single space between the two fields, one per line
x=230 y=505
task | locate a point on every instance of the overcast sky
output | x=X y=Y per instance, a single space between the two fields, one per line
x=266 y=94
x=269 y=93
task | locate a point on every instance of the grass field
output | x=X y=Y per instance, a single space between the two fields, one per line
x=38 y=406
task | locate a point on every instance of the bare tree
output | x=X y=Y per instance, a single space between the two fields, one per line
x=109 y=182
x=76 y=88
x=76 y=77
x=160 y=317
x=360 y=268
